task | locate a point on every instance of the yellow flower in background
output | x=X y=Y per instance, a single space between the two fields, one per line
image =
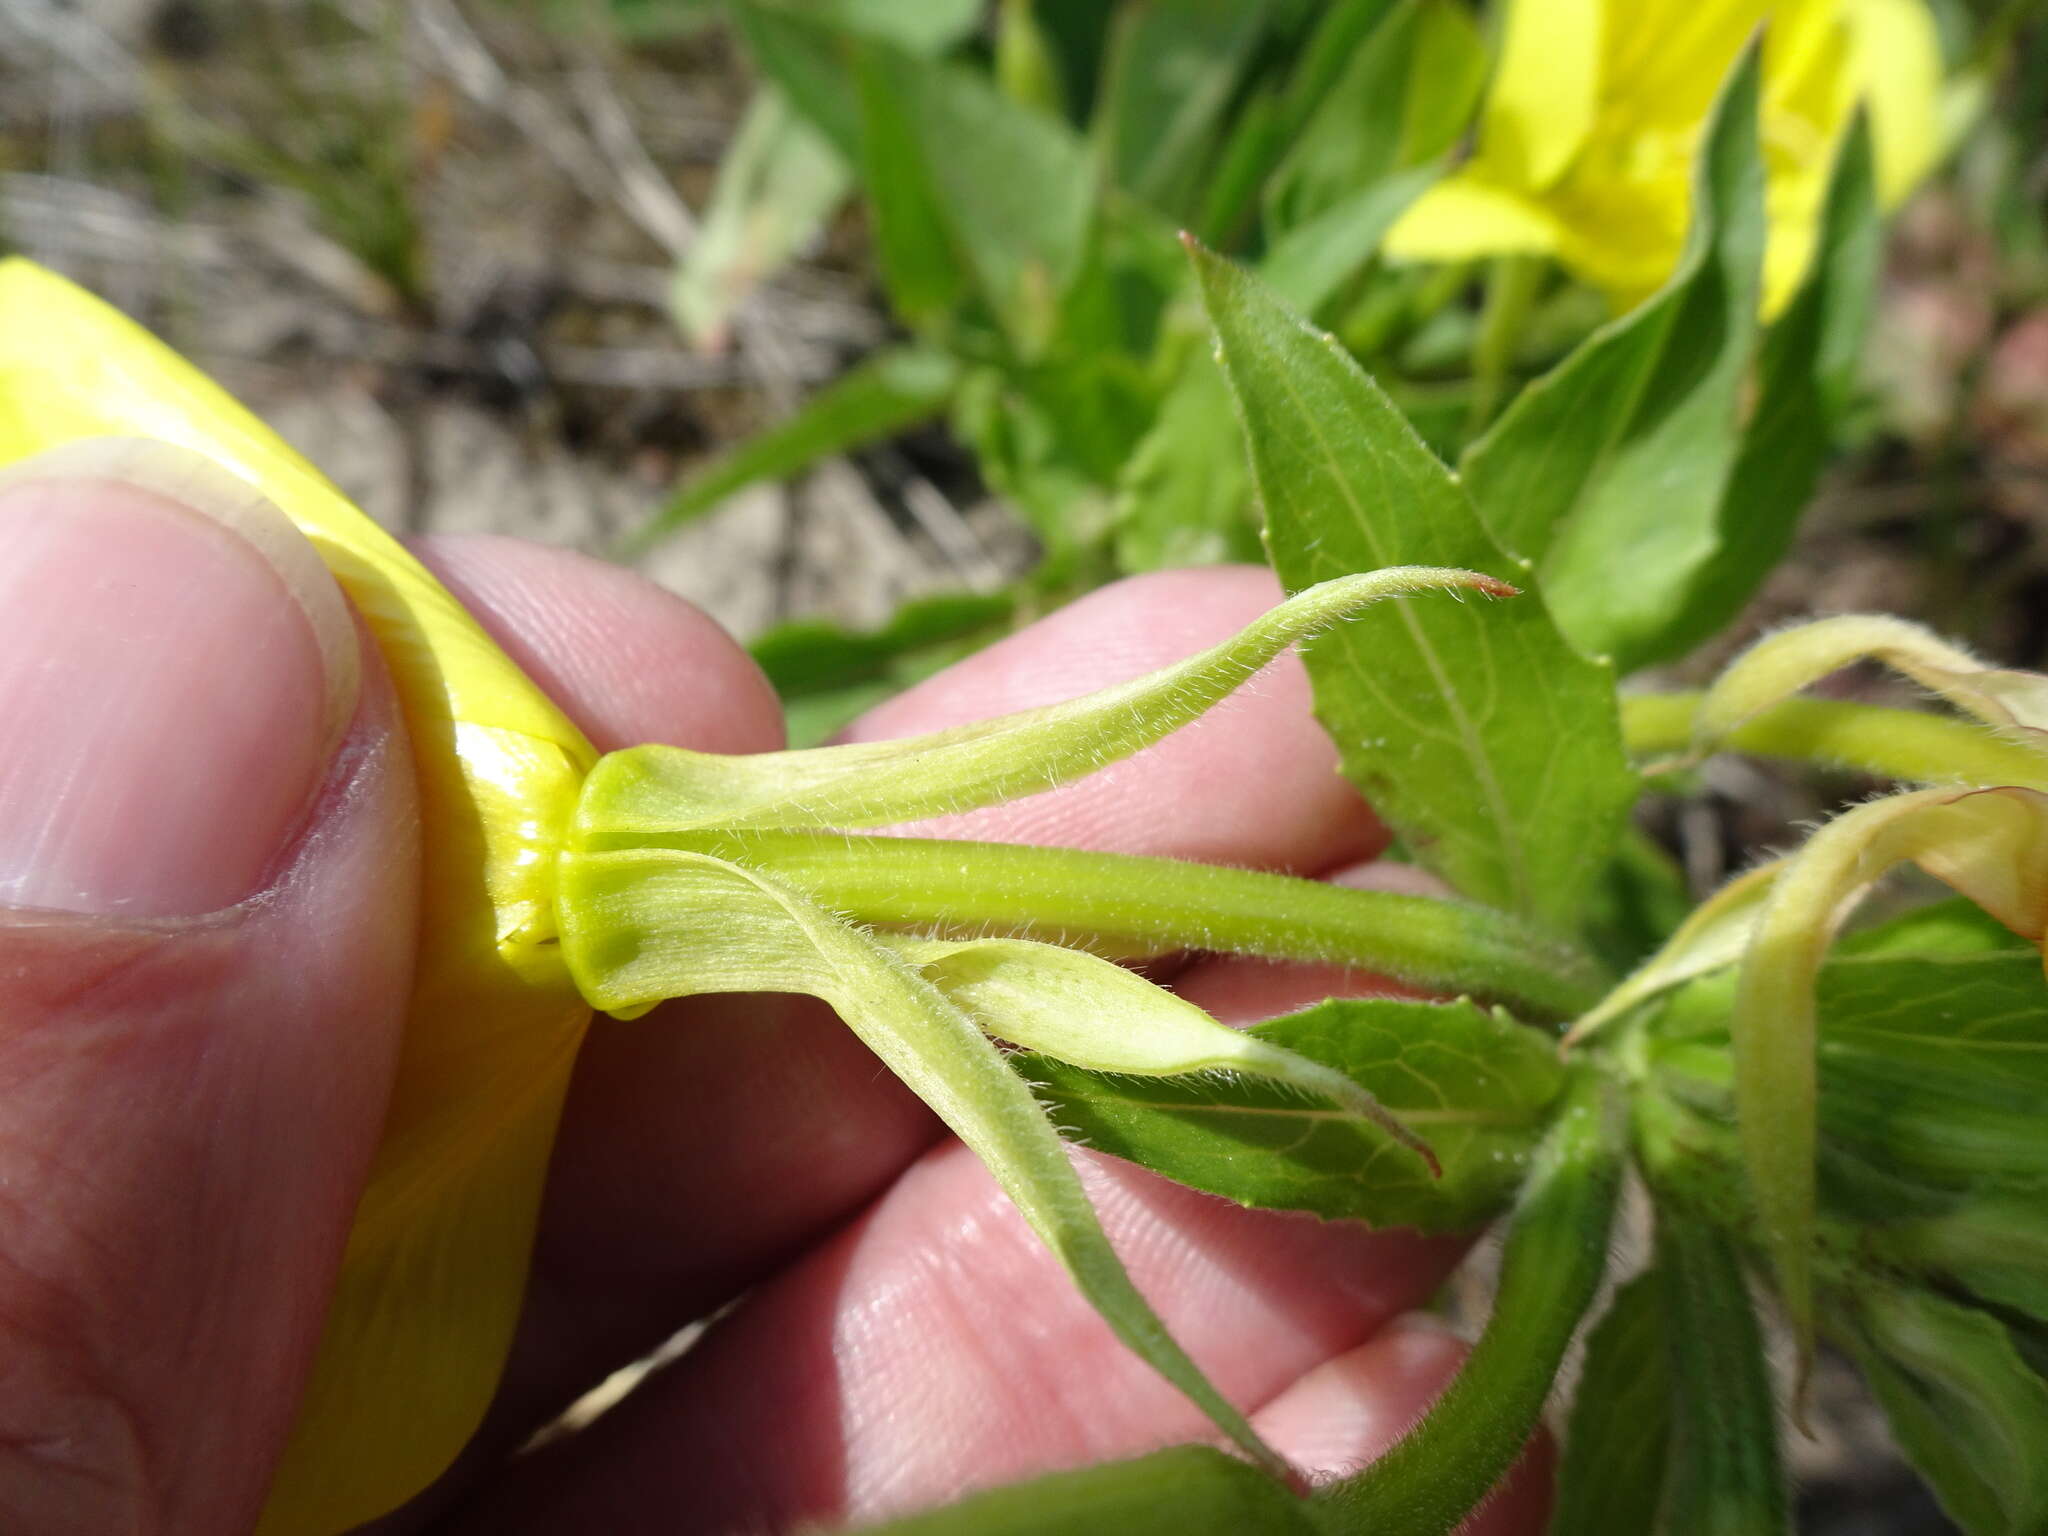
x=1596 y=109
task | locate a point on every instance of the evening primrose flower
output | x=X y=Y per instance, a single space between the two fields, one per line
x=1588 y=134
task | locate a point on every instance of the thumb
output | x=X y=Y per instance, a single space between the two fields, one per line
x=207 y=902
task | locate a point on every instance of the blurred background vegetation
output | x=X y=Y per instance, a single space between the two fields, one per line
x=862 y=324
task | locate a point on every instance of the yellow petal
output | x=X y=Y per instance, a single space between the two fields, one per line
x=1895 y=66
x=1466 y=217
x=423 y=1312
x=1545 y=92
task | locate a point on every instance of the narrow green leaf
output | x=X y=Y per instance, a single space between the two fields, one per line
x=1725 y=1477
x=885 y=394
x=1309 y=264
x=1187 y=1491
x=1476 y=731
x=917 y=245
x=655 y=789
x=1012 y=190
x=1478 y=1086
x=1964 y=1405
x=1621 y=458
x=1172 y=68
x=649 y=924
x=1618 y=1441
x=1805 y=383
x=778 y=182
x=1551 y=1268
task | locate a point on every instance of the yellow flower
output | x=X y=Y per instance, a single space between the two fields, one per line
x=437 y=1258
x=1587 y=138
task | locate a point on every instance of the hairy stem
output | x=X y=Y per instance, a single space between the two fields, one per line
x=1133 y=906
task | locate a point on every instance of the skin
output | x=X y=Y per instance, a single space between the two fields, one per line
x=192 y=1101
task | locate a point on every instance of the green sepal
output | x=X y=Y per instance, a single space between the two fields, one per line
x=655 y=789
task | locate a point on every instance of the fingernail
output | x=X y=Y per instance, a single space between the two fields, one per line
x=176 y=670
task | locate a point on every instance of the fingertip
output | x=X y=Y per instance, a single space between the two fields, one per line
x=630 y=661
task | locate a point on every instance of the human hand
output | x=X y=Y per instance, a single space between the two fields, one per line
x=206 y=841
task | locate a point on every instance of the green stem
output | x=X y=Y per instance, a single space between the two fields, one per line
x=1512 y=283
x=1726 y=1479
x=1137 y=906
x=1551 y=1268
x=1907 y=744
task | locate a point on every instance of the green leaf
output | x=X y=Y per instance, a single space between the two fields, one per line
x=1805 y=385
x=1995 y=1246
x=1478 y=1086
x=1491 y=746
x=1187 y=1491
x=1621 y=458
x=1551 y=1267
x=801 y=45
x=1172 y=67
x=951 y=161
x=778 y=183
x=643 y=925
x=1185 y=496
x=1310 y=264
x=1725 y=1475
x=1405 y=94
x=1963 y=1404
x=886 y=393
x=1618 y=1440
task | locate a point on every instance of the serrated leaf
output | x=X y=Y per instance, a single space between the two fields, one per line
x=1618 y=1440
x=1963 y=1403
x=1187 y=1491
x=887 y=393
x=1620 y=459
x=1475 y=1084
x=1481 y=736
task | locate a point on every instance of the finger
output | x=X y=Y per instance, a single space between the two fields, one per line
x=207 y=904
x=937 y=1347
x=1254 y=782
x=1351 y=1410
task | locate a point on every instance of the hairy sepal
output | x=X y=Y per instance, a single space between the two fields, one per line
x=655 y=789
